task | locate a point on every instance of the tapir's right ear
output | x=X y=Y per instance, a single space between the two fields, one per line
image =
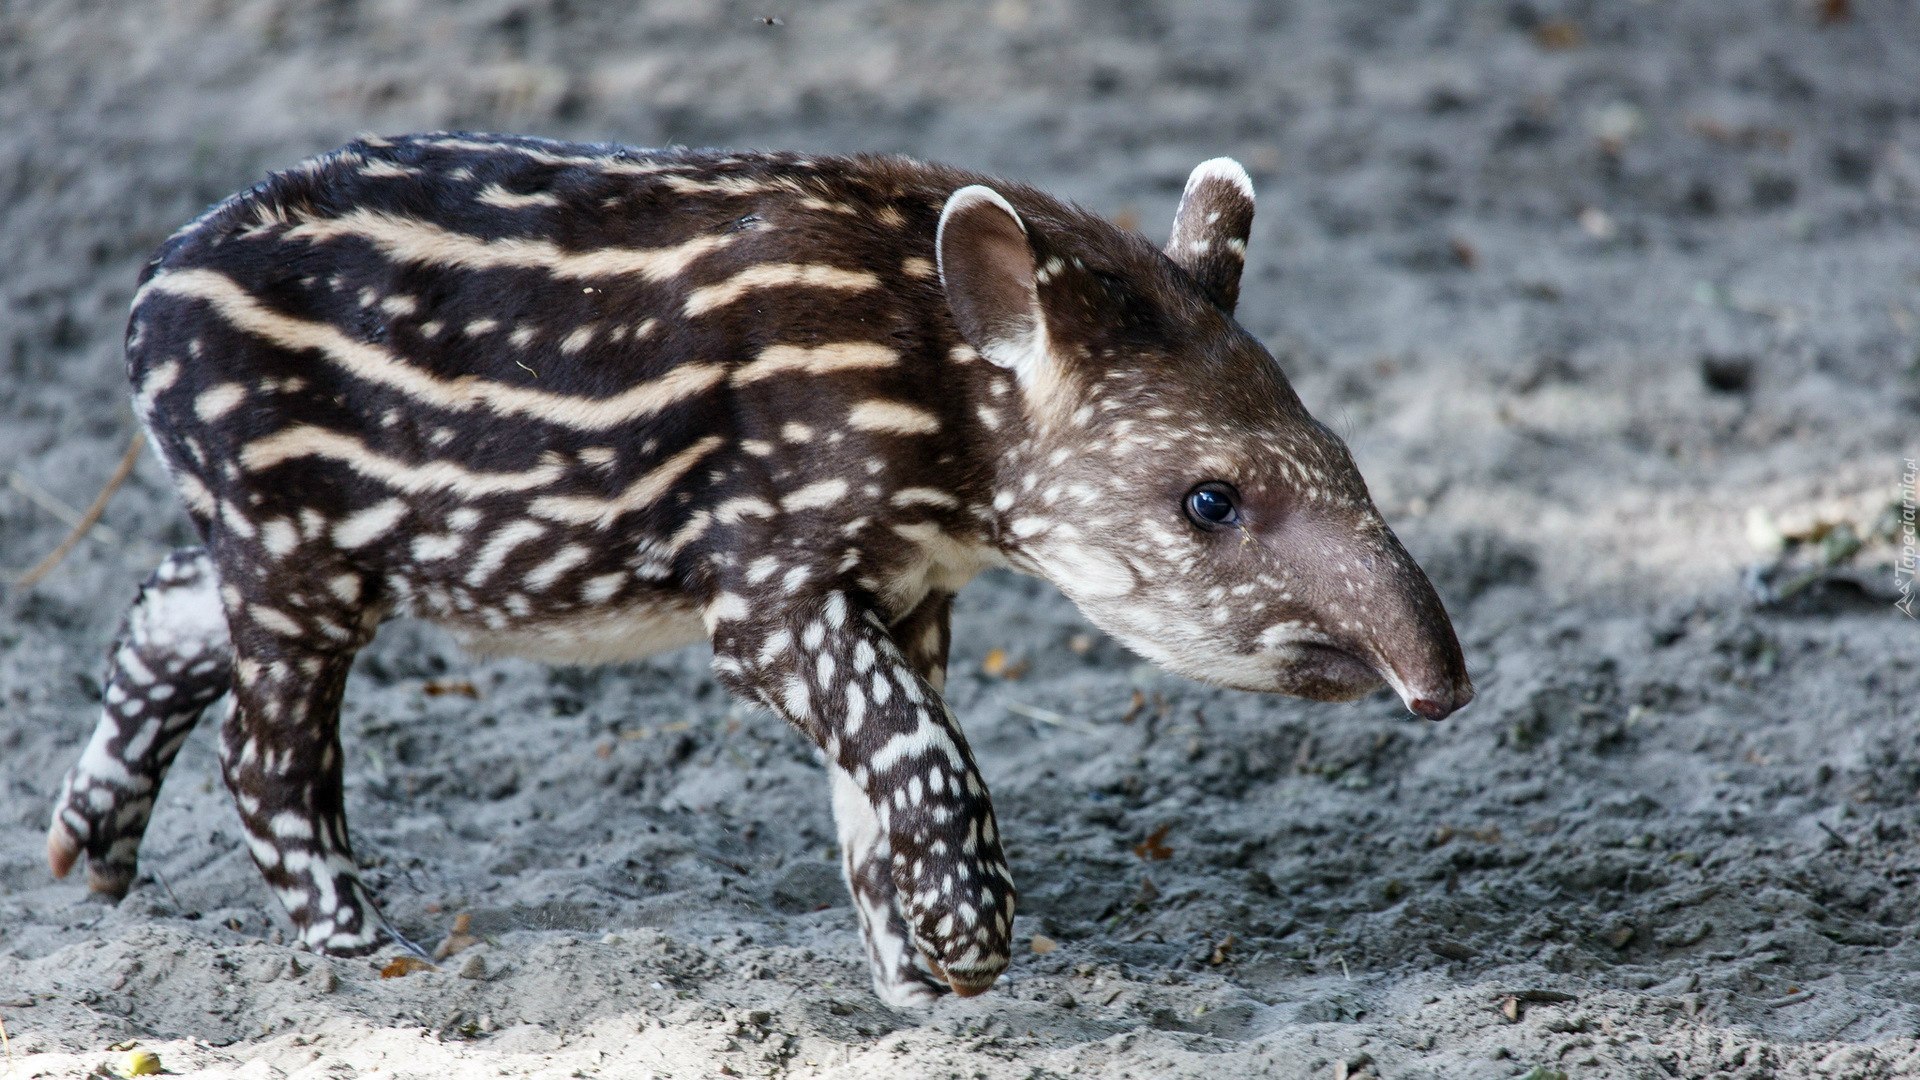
x=1210 y=229
x=987 y=272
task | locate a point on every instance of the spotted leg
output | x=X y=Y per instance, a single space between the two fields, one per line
x=900 y=975
x=170 y=661
x=280 y=752
x=832 y=667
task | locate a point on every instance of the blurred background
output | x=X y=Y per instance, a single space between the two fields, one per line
x=1617 y=302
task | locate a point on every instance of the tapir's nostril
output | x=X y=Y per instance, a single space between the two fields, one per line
x=1442 y=705
x=1442 y=701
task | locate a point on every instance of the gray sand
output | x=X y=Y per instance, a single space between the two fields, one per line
x=1681 y=833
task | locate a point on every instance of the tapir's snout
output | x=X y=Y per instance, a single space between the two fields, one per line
x=1412 y=644
x=1375 y=617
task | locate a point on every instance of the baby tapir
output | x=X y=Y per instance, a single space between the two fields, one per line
x=587 y=403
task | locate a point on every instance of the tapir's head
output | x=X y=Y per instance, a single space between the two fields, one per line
x=1165 y=476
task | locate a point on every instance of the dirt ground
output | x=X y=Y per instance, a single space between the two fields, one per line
x=1601 y=293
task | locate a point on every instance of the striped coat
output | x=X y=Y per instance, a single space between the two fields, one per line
x=586 y=403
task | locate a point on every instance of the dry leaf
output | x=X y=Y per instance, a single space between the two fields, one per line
x=1154 y=848
x=444 y=687
x=1835 y=11
x=462 y=937
x=1042 y=944
x=1220 y=951
x=402 y=966
x=1510 y=1008
x=997 y=664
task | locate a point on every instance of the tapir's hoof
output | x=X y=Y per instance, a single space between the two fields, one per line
x=110 y=882
x=63 y=849
x=970 y=985
x=966 y=989
x=63 y=853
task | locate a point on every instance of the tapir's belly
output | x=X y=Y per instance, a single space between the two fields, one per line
x=629 y=632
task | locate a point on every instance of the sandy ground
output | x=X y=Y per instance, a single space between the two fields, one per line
x=1584 y=284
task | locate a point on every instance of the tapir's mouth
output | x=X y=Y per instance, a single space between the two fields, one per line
x=1326 y=673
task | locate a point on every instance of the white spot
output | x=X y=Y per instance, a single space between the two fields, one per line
x=363 y=528
x=436 y=546
x=815 y=495
x=279 y=537
x=346 y=587
x=218 y=401
x=544 y=575
x=598 y=590
x=727 y=607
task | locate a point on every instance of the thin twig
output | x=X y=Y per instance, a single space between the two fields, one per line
x=7 y=1044
x=1048 y=716
x=168 y=889
x=56 y=507
x=1843 y=841
x=87 y=520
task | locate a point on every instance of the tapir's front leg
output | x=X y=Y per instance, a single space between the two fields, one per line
x=829 y=664
x=900 y=976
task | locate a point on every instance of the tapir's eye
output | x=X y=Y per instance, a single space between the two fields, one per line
x=1213 y=505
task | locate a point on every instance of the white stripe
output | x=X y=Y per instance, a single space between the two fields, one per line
x=769 y=275
x=893 y=417
x=307 y=441
x=423 y=243
x=495 y=195
x=816 y=360
x=495 y=552
x=463 y=394
x=586 y=510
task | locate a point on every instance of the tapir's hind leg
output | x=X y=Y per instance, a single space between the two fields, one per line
x=171 y=660
x=280 y=749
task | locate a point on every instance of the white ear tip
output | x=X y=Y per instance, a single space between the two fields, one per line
x=967 y=197
x=1222 y=168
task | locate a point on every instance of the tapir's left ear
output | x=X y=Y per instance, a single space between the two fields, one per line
x=987 y=271
x=1210 y=228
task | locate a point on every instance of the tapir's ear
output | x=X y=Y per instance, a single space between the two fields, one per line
x=987 y=271
x=1210 y=228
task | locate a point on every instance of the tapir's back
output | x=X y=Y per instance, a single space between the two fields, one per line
x=466 y=352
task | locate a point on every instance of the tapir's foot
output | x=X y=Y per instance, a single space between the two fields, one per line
x=967 y=985
x=111 y=860
x=913 y=988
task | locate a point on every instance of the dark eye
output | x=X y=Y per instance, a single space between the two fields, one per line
x=1213 y=505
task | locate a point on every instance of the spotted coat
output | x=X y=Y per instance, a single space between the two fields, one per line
x=586 y=403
